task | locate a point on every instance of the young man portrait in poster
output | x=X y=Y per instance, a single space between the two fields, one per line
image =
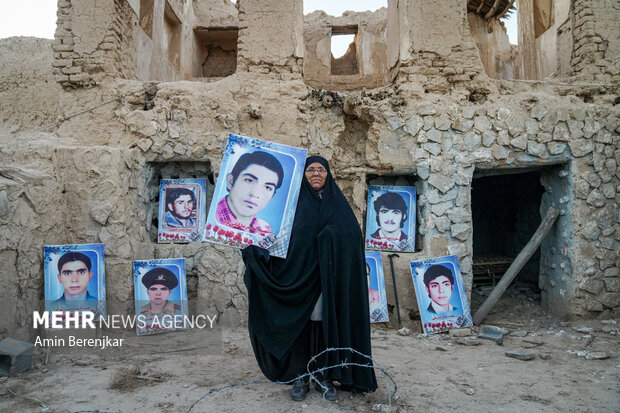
x=391 y=211
x=439 y=283
x=251 y=184
x=180 y=204
x=74 y=274
x=159 y=283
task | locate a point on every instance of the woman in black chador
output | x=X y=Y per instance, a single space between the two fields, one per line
x=315 y=298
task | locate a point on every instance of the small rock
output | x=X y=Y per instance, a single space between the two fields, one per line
x=461 y=332
x=467 y=341
x=469 y=391
x=534 y=340
x=545 y=356
x=439 y=348
x=519 y=333
x=583 y=329
x=404 y=331
x=82 y=363
x=380 y=407
x=304 y=406
x=520 y=355
x=492 y=333
x=596 y=355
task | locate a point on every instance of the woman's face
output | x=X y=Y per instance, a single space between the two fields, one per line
x=316 y=175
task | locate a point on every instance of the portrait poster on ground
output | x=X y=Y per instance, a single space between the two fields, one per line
x=161 y=295
x=377 y=300
x=440 y=294
x=256 y=195
x=182 y=210
x=75 y=278
x=390 y=218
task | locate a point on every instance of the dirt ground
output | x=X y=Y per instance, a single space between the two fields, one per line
x=575 y=369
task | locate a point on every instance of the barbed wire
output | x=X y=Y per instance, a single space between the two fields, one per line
x=372 y=364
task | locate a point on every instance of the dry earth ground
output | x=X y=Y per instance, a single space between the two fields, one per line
x=169 y=372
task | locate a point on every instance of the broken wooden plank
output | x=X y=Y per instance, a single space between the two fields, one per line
x=516 y=266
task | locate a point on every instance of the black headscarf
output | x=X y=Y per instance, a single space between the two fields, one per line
x=325 y=254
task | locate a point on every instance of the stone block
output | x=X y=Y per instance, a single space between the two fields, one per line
x=536 y=149
x=596 y=198
x=612 y=272
x=425 y=109
x=441 y=182
x=539 y=112
x=488 y=138
x=482 y=123
x=462 y=125
x=576 y=128
x=4 y=204
x=592 y=304
x=592 y=285
x=520 y=142
x=556 y=148
x=472 y=140
x=515 y=127
x=434 y=135
x=612 y=284
x=442 y=122
x=581 y=147
x=460 y=231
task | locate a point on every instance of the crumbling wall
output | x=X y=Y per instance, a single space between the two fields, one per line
x=364 y=65
x=92 y=43
x=596 y=46
x=432 y=58
x=262 y=47
x=495 y=50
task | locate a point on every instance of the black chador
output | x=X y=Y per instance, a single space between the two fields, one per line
x=325 y=255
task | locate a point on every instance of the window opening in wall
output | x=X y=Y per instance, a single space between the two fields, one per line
x=217 y=51
x=146 y=16
x=346 y=64
x=505 y=214
x=511 y=23
x=337 y=8
x=172 y=27
x=398 y=180
x=543 y=16
x=156 y=171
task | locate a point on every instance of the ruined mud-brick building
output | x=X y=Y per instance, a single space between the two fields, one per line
x=429 y=94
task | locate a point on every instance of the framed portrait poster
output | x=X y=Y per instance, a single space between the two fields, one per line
x=182 y=210
x=440 y=294
x=161 y=295
x=74 y=278
x=256 y=194
x=377 y=300
x=390 y=218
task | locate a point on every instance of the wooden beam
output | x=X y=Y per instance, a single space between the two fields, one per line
x=479 y=9
x=510 y=3
x=493 y=10
x=517 y=264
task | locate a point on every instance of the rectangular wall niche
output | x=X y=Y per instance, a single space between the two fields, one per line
x=398 y=180
x=505 y=214
x=216 y=51
x=347 y=63
x=146 y=16
x=156 y=171
x=172 y=27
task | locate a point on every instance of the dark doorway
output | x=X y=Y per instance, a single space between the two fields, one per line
x=505 y=214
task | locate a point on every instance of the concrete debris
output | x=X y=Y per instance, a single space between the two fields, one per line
x=488 y=332
x=404 y=331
